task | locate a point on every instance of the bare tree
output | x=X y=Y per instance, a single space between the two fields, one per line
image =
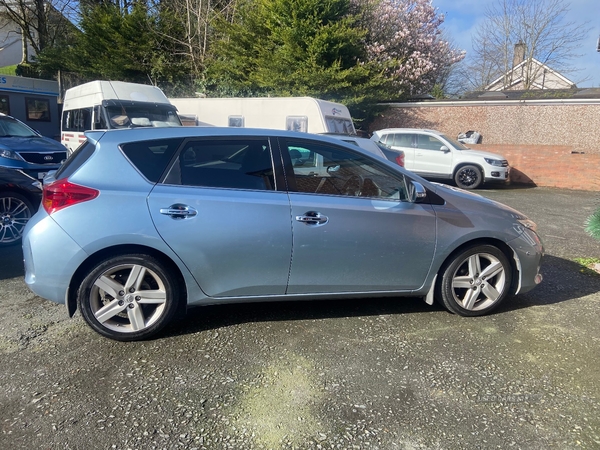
x=195 y=26
x=516 y=31
x=40 y=23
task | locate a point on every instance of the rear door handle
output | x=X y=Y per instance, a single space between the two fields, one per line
x=179 y=211
x=313 y=218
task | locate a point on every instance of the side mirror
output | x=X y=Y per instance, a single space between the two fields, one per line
x=444 y=149
x=416 y=192
x=333 y=168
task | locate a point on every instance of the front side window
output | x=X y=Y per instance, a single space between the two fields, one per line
x=37 y=109
x=243 y=163
x=427 y=142
x=330 y=170
x=78 y=120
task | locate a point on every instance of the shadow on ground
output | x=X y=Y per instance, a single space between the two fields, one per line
x=564 y=280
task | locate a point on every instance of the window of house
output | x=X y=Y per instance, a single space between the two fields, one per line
x=37 y=109
x=4 y=104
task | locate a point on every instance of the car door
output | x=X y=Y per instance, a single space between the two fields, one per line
x=354 y=229
x=430 y=159
x=220 y=210
x=405 y=142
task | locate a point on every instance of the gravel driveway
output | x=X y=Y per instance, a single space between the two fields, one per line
x=368 y=374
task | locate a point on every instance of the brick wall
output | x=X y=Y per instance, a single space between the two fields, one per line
x=550 y=165
x=551 y=144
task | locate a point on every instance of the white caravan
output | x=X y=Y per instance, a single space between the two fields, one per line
x=103 y=105
x=281 y=113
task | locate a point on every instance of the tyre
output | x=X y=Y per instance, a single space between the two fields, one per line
x=15 y=212
x=128 y=298
x=468 y=177
x=475 y=281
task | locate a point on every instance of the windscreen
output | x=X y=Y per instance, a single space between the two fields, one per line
x=131 y=115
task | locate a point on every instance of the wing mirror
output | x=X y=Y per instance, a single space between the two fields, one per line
x=416 y=192
x=444 y=149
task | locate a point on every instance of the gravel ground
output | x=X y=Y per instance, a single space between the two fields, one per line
x=364 y=374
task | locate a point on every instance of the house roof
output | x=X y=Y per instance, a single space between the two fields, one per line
x=516 y=76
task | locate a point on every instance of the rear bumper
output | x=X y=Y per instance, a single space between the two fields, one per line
x=45 y=241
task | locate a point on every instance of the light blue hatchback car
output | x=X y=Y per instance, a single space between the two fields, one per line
x=139 y=224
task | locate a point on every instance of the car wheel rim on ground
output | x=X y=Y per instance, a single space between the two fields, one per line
x=479 y=282
x=14 y=214
x=128 y=298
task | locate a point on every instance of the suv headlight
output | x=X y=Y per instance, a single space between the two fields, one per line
x=10 y=155
x=493 y=162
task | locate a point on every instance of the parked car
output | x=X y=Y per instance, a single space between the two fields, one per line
x=25 y=149
x=434 y=155
x=139 y=224
x=20 y=196
x=374 y=147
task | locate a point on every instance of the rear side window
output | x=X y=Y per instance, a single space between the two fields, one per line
x=151 y=158
x=224 y=163
x=75 y=161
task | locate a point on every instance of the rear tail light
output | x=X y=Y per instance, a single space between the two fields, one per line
x=400 y=159
x=62 y=193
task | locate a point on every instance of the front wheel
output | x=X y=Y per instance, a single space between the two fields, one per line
x=128 y=298
x=468 y=177
x=475 y=281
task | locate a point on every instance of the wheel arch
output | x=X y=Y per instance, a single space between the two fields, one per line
x=121 y=250
x=462 y=164
x=501 y=245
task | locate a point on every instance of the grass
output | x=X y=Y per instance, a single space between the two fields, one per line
x=588 y=265
x=8 y=70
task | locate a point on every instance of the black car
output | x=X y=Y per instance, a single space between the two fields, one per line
x=20 y=196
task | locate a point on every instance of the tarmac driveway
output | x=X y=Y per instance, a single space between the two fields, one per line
x=369 y=374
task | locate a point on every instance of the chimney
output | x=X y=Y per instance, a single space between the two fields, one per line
x=519 y=55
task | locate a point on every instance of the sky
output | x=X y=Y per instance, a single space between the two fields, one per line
x=463 y=16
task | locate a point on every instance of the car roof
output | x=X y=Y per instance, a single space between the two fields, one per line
x=408 y=130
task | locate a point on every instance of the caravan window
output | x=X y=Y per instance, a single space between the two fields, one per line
x=339 y=125
x=236 y=121
x=77 y=120
x=296 y=123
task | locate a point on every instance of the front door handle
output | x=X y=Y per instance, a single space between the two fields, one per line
x=179 y=211
x=313 y=218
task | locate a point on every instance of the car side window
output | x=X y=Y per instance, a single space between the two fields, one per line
x=224 y=163
x=330 y=170
x=151 y=158
x=401 y=140
x=427 y=142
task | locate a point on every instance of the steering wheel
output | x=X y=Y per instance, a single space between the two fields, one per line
x=353 y=186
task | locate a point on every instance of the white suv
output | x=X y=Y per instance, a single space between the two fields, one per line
x=433 y=155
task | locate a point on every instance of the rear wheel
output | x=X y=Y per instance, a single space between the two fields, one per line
x=128 y=298
x=468 y=177
x=475 y=281
x=15 y=211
